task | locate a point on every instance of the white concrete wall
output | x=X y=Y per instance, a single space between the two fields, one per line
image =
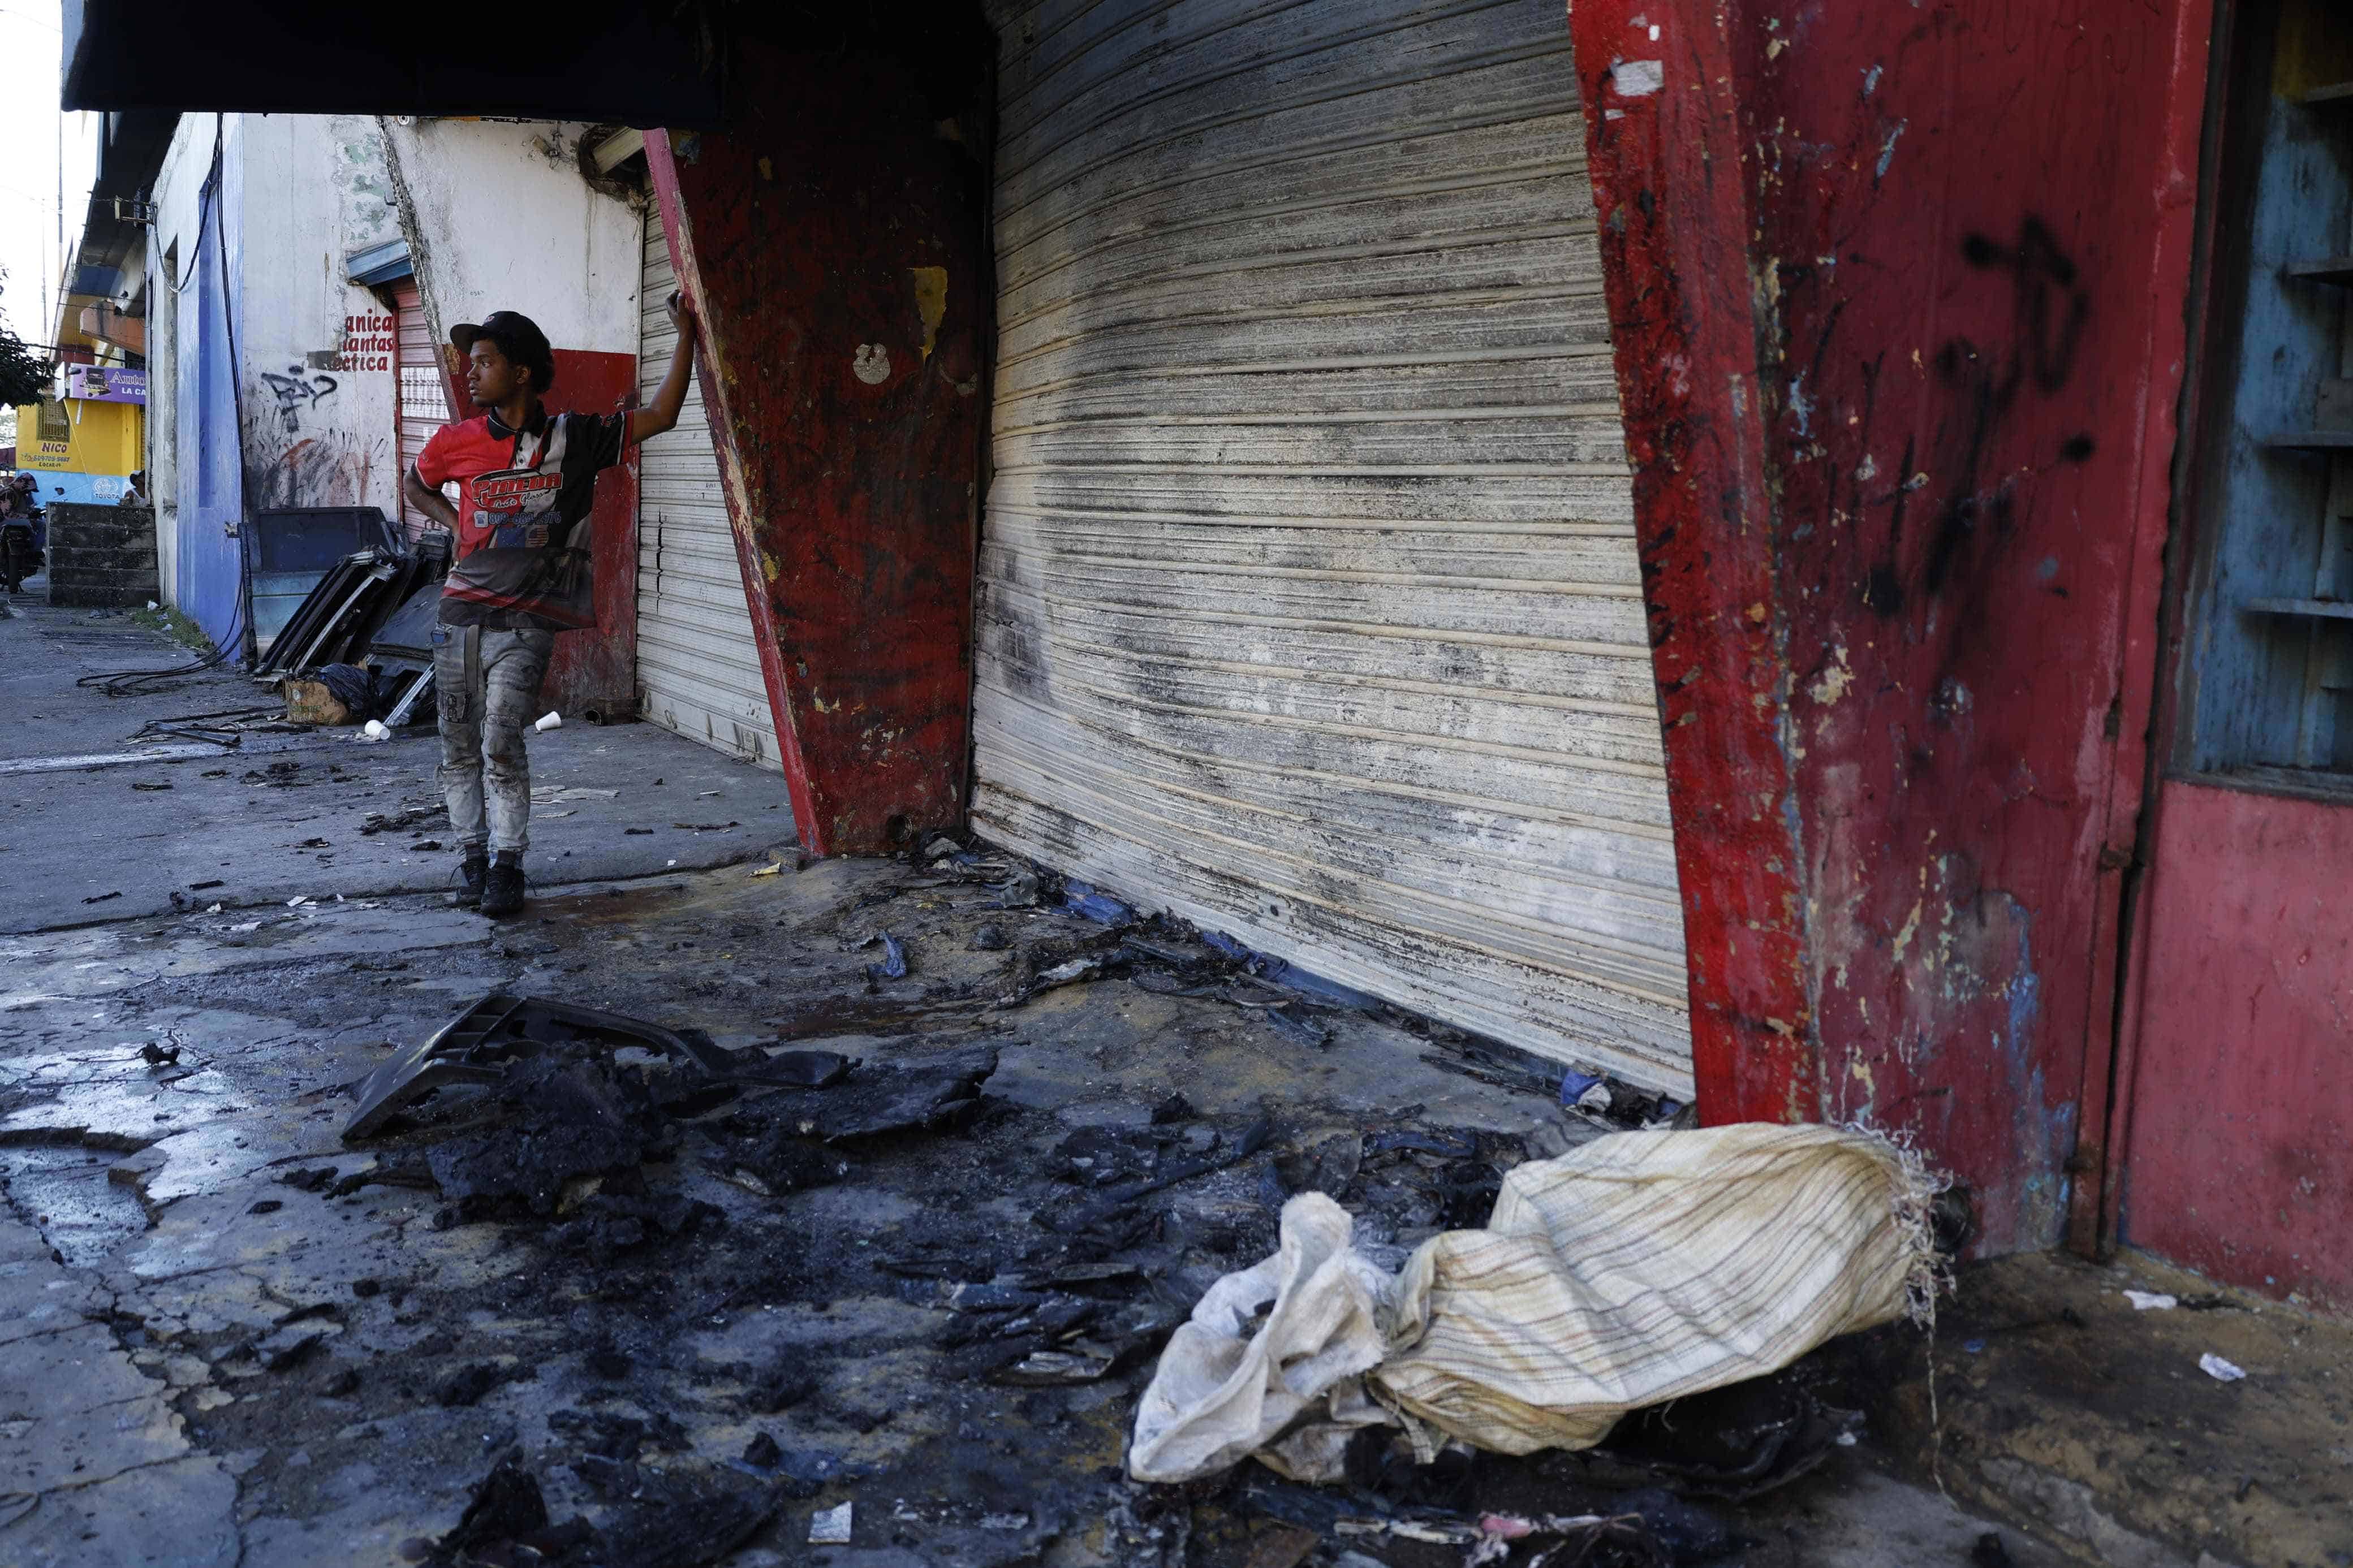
x=318 y=381
x=301 y=193
x=501 y=219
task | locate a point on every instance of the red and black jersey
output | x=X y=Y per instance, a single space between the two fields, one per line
x=522 y=545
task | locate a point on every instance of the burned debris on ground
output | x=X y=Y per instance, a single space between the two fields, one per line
x=656 y=1175
x=910 y=1246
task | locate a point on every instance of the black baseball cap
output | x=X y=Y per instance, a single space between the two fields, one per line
x=518 y=337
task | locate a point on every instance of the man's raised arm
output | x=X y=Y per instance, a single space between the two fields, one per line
x=663 y=413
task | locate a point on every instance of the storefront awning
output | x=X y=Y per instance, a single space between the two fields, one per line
x=379 y=263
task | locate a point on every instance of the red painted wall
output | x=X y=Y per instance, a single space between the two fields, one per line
x=1898 y=298
x=597 y=671
x=848 y=421
x=2242 y=1137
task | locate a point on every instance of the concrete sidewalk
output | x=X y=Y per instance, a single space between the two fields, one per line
x=283 y=817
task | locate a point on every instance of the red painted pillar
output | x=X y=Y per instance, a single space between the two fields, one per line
x=1674 y=233
x=1899 y=293
x=831 y=240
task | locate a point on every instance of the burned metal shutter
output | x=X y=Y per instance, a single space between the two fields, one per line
x=1309 y=603
x=424 y=393
x=698 y=665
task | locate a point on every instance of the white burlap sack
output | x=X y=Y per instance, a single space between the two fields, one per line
x=1640 y=1268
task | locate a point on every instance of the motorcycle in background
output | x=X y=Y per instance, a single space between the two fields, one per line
x=20 y=552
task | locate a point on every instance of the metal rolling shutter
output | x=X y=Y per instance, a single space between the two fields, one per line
x=698 y=665
x=424 y=396
x=1309 y=603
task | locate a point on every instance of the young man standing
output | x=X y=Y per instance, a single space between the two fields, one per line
x=522 y=572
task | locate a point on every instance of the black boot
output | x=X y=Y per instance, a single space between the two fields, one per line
x=502 y=887
x=471 y=873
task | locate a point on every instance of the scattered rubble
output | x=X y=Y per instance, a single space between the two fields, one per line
x=483 y=1043
x=873 y=1100
x=507 y=1510
x=682 y=1517
x=468 y=1383
x=868 y=1263
x=436 y=814
x=833 y=1526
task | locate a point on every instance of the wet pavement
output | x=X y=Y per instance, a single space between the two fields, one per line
x=101 y=825
x=634 y=1316
x=291 y=1350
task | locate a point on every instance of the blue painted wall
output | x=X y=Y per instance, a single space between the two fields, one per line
x=209 y=580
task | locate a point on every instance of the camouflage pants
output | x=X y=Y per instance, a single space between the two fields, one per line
x=487 y=685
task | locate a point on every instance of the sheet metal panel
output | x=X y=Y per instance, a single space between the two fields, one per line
x=1309 y=600
x=698 y=667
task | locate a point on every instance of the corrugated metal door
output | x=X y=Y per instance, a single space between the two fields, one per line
x=1310 y=606
x=698 y=665
x=424 y=394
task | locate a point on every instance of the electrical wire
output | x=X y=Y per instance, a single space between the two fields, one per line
x=227 y=728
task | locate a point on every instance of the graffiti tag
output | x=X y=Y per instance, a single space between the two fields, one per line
x=296 y=391
x=2049 y=310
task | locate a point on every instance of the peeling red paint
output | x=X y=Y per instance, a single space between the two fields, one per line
x=1676 y=269
x=1883 y=280
x=804 y=236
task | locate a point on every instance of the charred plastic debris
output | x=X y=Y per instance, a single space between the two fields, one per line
x=569 y=1125
x=586 y=1134
x=573 y=1105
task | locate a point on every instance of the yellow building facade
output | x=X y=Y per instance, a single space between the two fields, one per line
x=91 y=446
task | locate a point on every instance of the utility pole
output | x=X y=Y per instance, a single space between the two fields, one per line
x=58 y=139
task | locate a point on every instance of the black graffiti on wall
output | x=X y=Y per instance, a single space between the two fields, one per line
x=294 y=392
x=1990 y=384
